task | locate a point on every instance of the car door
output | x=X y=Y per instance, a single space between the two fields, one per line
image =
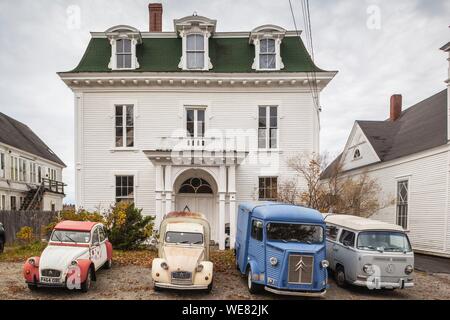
x=103 y=249
x=256 y=250
x=96 y=252
x=345 y=254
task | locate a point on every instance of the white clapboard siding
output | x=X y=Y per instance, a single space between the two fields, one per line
x=428 y=196
x=159 y=114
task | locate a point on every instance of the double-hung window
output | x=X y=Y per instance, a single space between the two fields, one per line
x=195 y=122
x=2 y=165
x=402 y=203
x=268 y=127
x=124 y=126
x=125 y=189
x=268 y=188
x=32 y=172
x=22 y=170
x=267 y=54
x=14 y=174
x=195 y=51
x=123 y=53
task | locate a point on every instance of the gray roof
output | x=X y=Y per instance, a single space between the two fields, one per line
x=419 y=128
x=20 y=136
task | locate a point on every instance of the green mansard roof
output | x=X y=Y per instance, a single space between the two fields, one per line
x=228 y=55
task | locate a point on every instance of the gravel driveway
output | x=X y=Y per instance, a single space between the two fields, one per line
x=134 y=283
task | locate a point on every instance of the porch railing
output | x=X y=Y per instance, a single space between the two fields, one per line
x=200 y=144
x=53 y=185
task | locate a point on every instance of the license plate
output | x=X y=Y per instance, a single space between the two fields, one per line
x=49 y=280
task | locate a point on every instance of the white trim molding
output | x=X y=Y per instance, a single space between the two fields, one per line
x=272 y=32
x=123 y=32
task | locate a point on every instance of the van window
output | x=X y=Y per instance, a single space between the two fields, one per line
x=257 y=230
x=347 y=238
x=332 y=232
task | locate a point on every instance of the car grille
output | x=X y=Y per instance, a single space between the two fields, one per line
x=301 y=269
x=181 y=277
x=51 y=273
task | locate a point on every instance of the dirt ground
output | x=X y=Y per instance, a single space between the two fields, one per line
x=134 y=283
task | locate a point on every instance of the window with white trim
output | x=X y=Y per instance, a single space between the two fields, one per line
x=124 y=54
x=267 y=54
x=14 y=172
x=402 y=203
x=195 y=51
x=32 y=172
x=125 y=189
x=195 y=122
x=13 y=203
x=3 y=202
x=2 y=165
x=51 y=174
x=124 y=126
x=22 y=170
x=268 y=188
x=268 y=127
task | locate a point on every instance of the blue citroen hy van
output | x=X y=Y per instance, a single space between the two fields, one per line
x=281 y=248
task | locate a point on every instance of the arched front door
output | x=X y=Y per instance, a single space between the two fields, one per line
x=196 y=195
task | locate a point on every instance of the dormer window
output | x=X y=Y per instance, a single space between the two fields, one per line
x=356 y=154
x=195 y=32
x=195 y=51
x=267 y=41
x=124 y=54
x=124 y=40
x=267 y=54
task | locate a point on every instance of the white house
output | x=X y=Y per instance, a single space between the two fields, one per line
x=30 y=172
x=191 y=119
x=409 y=156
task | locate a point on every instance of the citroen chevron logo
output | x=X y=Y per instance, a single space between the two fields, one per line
x=300 y=265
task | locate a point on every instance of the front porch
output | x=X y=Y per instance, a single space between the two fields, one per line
x=198 y=178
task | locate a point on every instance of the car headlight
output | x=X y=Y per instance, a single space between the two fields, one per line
x=409 y=269
x=199 y=268
x=164 y=265
x=368 y=268
x=32 y=261
x=74 y=263
x=325 y=264
x=273 y=261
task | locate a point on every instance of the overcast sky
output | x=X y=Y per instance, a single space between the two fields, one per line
x=379 y=47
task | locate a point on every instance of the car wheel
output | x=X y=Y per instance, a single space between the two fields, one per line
x=156 y=288
x=2 y=246
x=108 y=264
x=252 y=287
x=210 y=286
x=86 y=285
x=32 y=287
x=340 y=277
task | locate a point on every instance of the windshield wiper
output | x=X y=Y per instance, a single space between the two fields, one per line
x=198 y=242
x=183 y=242
x=59 y=239
x=70 y=239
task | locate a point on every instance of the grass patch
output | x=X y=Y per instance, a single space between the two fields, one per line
x=20 y=253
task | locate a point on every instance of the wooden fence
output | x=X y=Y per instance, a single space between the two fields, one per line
x=13 y=221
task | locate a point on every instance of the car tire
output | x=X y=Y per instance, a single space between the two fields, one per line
x=210 y=286
x=86 y=285
x=32 y=287
x=108 y=264
x=156 y=288
x=2 y=246
x=253 y=288
x=340 y=277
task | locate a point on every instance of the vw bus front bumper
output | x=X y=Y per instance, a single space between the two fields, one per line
x=297 y=293
x=380 y=284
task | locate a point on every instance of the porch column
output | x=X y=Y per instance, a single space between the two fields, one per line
x=222 y=193
x=232 y=205
x=159 y=188
x=168 y=188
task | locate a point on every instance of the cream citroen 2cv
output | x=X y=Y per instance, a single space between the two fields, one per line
x=183 y=253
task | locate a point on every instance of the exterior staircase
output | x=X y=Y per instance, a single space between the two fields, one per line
x=33 y=199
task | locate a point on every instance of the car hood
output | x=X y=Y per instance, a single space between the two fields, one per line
x=297 y=247
x=183 y=258
x=60 y=257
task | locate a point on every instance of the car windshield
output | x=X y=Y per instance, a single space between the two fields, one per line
x=302 y=233
x=383 y=241
x=71 y=236
x=184 y=237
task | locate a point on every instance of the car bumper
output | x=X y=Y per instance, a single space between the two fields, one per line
x=296 y=293
x=180 y=287
x=48 y=285
x=385 y=285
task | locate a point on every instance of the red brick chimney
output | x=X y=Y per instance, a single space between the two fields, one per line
x=155 y=16
x=396 y=106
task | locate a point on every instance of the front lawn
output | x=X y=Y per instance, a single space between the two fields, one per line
x=19 y=253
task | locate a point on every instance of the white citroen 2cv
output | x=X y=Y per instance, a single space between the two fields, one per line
x=183 y=253
x=369 y=253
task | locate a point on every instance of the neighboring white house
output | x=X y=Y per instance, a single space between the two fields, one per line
x=409 y=156
x=30 y=172
x=191 y=119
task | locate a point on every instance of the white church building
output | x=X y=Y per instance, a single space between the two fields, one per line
x=192 y=118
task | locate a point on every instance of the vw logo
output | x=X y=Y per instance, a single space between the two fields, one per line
x=390 y=268
x=300 y=265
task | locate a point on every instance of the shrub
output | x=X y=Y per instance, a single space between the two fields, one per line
x=126 y=227
x=25 y=235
